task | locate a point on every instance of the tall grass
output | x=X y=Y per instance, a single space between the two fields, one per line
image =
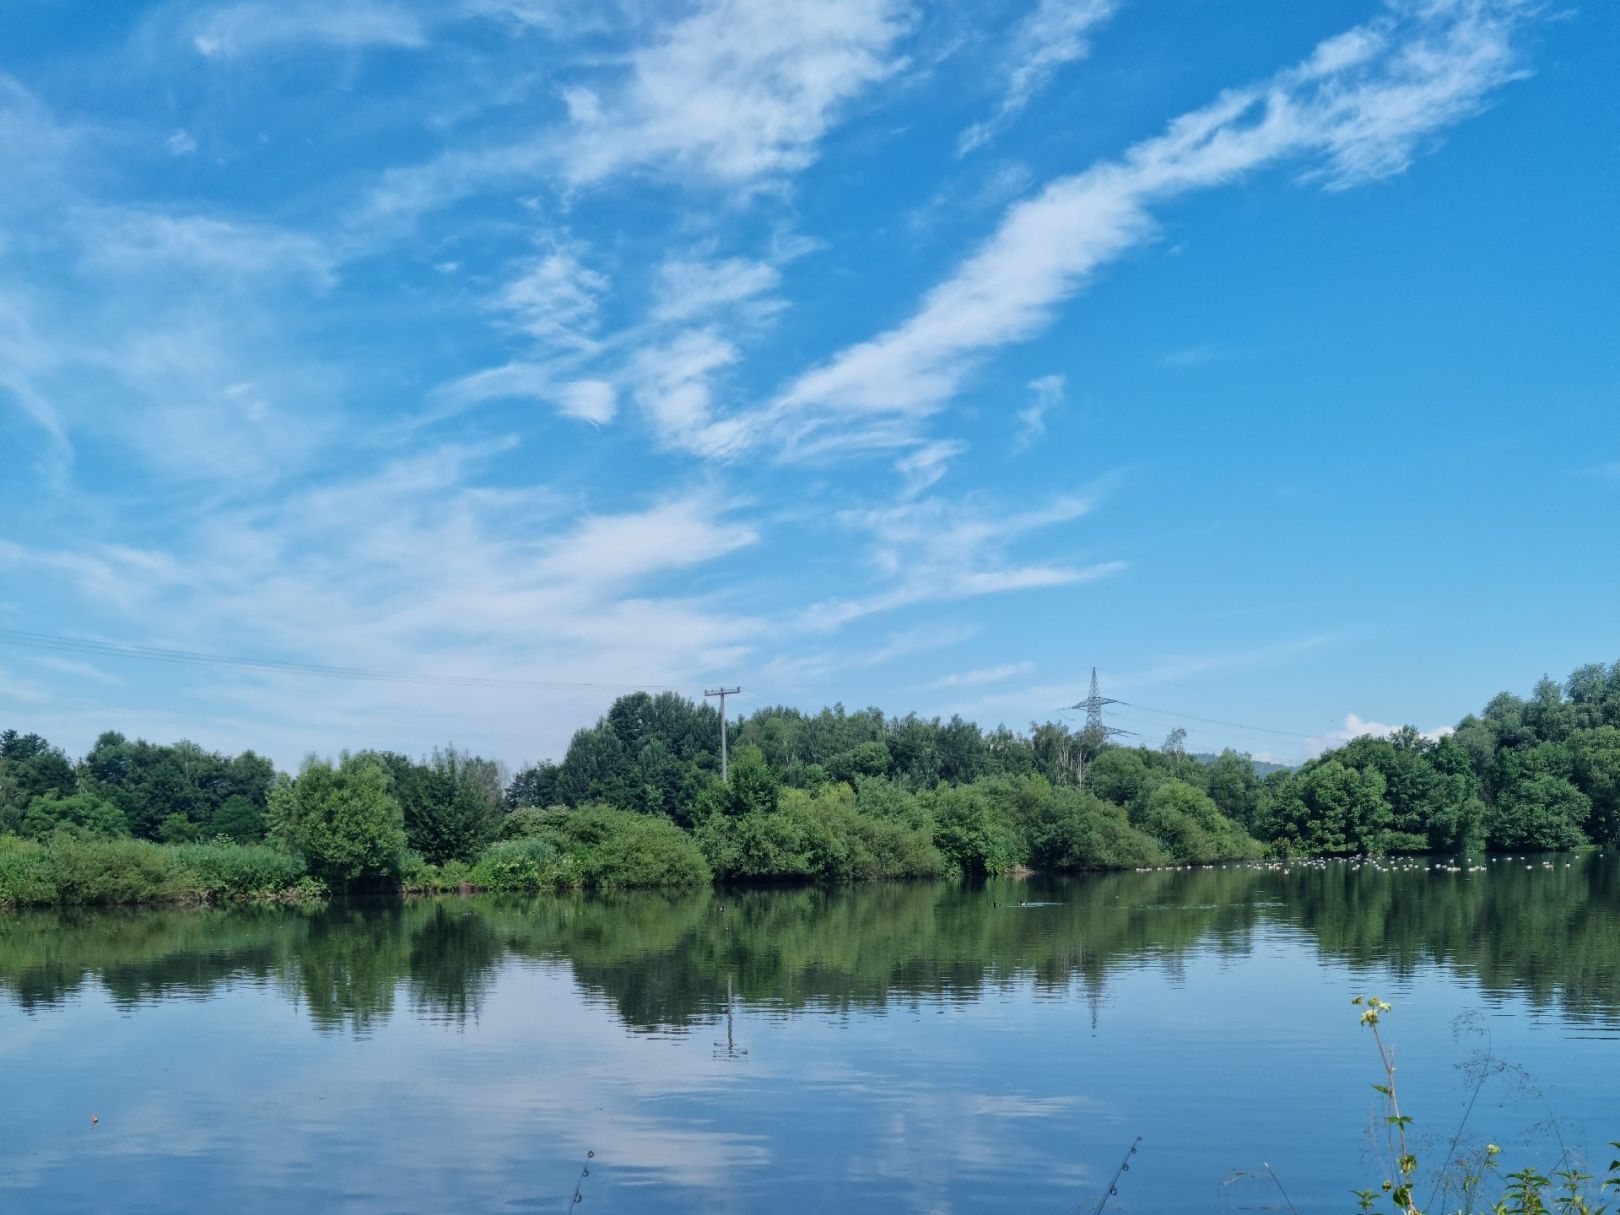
x=67 y=871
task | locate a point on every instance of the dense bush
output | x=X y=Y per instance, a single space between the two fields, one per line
x=1074 y=831
x=595 y=846
x=89 y=871
x=817 y=837
x=1186 y=823
x=524 y=865
x=972 y=830
x=68 y=870
x=24 y=877
x=224 y=871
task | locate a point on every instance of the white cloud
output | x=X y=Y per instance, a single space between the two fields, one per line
x=1054 y=35
x=675 y=534
x=986 y=675
x=554 y=297
x=27 y=361
x=923 y=637
x=688 y=288
x=737 y=91
x=1046 y=395
x=934 y=549
x=243 y=29
x=83 y=670
x=139 y=242
x=180 y=143
x=29 y=691
x=421 y=565
x=923 y=467
x=1358 y=727
x=1359 y=105
x=674 y=388
x=588 y=400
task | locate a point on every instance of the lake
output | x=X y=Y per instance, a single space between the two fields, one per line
x=908 y=1048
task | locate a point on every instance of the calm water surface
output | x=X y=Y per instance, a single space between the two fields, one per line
x=884 y=1048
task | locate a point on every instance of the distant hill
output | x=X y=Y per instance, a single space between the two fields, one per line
x=1262 y=768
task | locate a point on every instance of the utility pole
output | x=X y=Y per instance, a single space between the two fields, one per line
x=722 y=693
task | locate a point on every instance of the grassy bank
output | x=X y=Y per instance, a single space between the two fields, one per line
x=68 y=871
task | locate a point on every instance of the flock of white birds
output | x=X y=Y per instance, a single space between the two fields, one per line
x=1380 y=864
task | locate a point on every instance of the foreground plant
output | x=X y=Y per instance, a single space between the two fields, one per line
x=1528 y=1192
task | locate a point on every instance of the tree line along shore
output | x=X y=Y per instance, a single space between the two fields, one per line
x=637 y=801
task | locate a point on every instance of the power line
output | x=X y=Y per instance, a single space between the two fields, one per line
x=1211 y=721
x=26 y=639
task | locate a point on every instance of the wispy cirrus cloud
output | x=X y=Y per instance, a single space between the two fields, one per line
x=1054 y=35
x=1355 y=110
x=931 y=550
x=982 y=676
x=1045 y=398
x=737 y=91
x=234 y=30
x=731 y=95
x=434 y=570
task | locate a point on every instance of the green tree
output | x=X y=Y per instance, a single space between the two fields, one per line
x=1234 y=787
x=1333 y=810
x=449 y=803
x=30 y=767
x=343 y=818
x=871 y=758
x=1540 y=814
x=1596 y=755
x=967 y=832
x=238 y=818
x=1117 y=774
x=754 y=787
x=79 y=814
x=533 y=786
x=1186 y=821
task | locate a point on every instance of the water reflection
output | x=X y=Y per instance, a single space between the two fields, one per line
x=668 y=962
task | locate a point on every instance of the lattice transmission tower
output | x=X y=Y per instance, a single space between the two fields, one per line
x=1096 y=732
x=1093 y=705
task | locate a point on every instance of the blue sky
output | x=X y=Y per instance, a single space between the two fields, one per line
x=871 y=352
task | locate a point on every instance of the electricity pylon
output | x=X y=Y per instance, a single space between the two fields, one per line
x=1095 y=732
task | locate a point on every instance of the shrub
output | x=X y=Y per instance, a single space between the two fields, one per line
x=222 y=870
x=524 y=865
x=86 y=871
x=418 y=874
x=620 y=848
x=1187 y=823
x=24 y=877
x=646 y=852
x=524 y=822
x=1075 y=831
x=820 y=837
